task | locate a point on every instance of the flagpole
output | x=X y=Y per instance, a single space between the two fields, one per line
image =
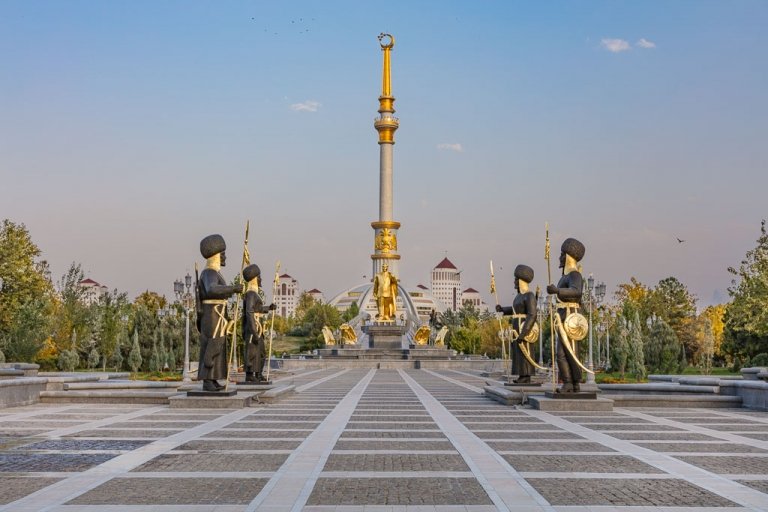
x=244 y=262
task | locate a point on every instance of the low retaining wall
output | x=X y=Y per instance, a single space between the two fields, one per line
x=429 y=364
x=21 y=391
x=753 y=393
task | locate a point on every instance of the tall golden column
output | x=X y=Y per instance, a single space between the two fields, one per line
x=385 y=229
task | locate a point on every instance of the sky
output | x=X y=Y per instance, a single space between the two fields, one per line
x=131 y=130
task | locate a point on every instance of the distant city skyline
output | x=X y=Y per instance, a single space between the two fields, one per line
x=132 y=130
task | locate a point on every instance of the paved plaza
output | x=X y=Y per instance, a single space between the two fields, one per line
x=360 y=439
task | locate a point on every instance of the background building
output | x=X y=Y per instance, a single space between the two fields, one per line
x=472 y=296
x=316 y=295
x=92 y=291
x=446 y=284
x=287 y=297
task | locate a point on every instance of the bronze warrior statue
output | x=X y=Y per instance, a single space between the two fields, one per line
x=253 y=329
x=523 y=311
x=568 y=291
x=213 y=324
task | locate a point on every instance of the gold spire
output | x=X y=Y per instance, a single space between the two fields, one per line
x=386 y=124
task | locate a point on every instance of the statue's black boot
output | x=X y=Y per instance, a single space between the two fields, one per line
x=250 y=377
x=210 y=385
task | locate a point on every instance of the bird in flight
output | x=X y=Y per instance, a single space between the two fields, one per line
x=679 y=241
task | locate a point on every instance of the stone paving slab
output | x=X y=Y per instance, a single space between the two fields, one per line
x=528 y=446
x=398 y=491
x=728 y=465
x=213 y=462
x=172 y=491
x=573 y=463
x=398 y=463
x=701 y=447
x=202 y=445
x=396 y=444
x=44 y=462
x=16 y=487
x=636 y=493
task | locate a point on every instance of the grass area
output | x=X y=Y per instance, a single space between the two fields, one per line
x=158 y=376
x=288 y=344
x=615 y=377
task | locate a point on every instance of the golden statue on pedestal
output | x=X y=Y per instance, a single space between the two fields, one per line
x=385 y=292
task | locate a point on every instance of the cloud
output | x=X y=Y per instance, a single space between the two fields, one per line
x=451 y=147
x=644 y=43
x=615 y=45
x=307 y=106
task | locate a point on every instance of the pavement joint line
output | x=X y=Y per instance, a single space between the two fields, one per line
x=724 y=487
x=304 y=387
x=454 y=381
x=476 y=377
x=477 y=454
x=199 y=474
x=292 y=483
x=92 y=425
x=598 y=476
x=57 y=494
x=698 y=429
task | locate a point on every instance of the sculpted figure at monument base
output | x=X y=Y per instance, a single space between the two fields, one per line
x=569 y=291
x=523 y=312
x=385 y=292
x=212 y=322
x=253 y=328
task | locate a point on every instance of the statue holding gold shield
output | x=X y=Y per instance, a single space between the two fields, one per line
x=385 y=292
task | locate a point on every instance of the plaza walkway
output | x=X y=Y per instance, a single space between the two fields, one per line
x=415 y=440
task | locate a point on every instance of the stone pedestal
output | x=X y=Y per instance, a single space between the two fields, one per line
x=544 y=403
x=385 y=335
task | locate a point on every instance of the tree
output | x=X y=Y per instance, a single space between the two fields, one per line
x=117 y=353
x=134 y=357
x=93 y=358
x=716 y=315
x=29 y=330
x=706 y=344
x=73 y=316
x=68 y=360
x=672 y=301
x=151 y=300
x=351 y=312
x=635 y=359
x=111 y=313
x=306 y=301
x=663 y=351
x=746 y=317
x=25 y=276
x=620 y=346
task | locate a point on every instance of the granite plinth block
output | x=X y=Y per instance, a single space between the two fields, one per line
x=222 y=393
x=544 y=403
x=385 y=335
x=571 y=396
x=235 y=401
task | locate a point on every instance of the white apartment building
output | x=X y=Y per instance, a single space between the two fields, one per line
x=446 y=284
x=92 y=291
x=287 y=297
x=316 y=295
x=473 y=297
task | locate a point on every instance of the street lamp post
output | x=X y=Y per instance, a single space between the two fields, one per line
x=182 y=291
x=540 y=311
x=592 y=299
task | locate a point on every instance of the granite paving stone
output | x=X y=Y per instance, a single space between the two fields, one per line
x=260 y=434
x=126 y=433
x=393 y=445
x=398 y=491
x=16 y=487
x=534 y=434
x=702 y=447
x=393 y=434
x=579 y=463
x=728 y=465
x=623 y=492
x=661 y=436
x=172 y=491
x=83 y=445
x=195 y=462
x=50 y=462
x=238 y=444
x=526 y=446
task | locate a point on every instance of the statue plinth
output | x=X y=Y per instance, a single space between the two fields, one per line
x=386 y=335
